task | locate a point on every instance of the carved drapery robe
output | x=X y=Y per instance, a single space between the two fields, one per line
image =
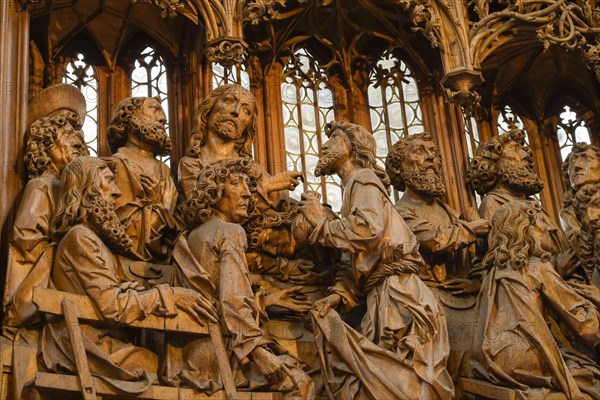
x=402 y=347
x=85 y=265
x=219 y=248
x=147 y=224
x=30 y=252
x=441 y=234
x=514 y=345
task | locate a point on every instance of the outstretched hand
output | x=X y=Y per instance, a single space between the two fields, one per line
x=290 y=298
x=287 y=180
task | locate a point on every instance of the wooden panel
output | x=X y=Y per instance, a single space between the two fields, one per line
x=49 y=301
x=486 y=390
x=69 y=383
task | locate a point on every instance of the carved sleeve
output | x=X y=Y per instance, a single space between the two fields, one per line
x=238 y=304
x=361 y=229
x=94 y=268
x=438 y=238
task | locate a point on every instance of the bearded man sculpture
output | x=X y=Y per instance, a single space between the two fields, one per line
x=88 y=230
x=148 y=198
x=401 y=348
x=225 y=127
x=414 y=166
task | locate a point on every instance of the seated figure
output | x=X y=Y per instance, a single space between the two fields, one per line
x=586 y=243
x=89 y=231
x=514 y=345
x=221 y=201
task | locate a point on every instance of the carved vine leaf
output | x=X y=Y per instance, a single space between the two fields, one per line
x=262 y=10
x=423 y=16
x=574 y=25
x=170 y=8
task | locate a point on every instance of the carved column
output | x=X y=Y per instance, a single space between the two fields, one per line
x=256 y=87
x=358 y=103
x=14 y=81
x=274 y=119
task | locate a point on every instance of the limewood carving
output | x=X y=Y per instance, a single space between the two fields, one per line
x=123 y=282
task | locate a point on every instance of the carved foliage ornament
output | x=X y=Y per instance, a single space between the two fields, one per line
x=262 y=10
x=226 y=51
x=425 y=18
x=170 y=8
x=574 y=25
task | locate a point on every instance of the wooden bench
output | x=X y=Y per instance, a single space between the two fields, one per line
x=75 y=307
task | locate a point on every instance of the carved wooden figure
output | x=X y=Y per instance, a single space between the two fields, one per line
x=401 y=347
x=414 y=166
x=225 y=126
x=55 y=119
x=89 y=232
x=148 y=198
x=221 y=201
x=514 y=345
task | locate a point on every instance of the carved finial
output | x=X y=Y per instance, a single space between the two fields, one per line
x=170 y=8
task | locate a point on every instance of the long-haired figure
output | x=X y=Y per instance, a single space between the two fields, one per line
x=514 y=345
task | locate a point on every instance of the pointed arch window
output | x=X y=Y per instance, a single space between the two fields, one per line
x=508 y=119
x=571 y=129
x=149 y=79
x=307 y=106
x=80 y=73
x=394 y=104
x=223 y=75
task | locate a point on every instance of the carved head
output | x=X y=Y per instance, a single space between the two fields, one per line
x=53 y=141
x=229 y=111
x=271 y=232
x=352 y=142
x=142 y=117
x=582 y=166
x=587 y=206
x=415 y=161
x=225 y=186
x=86 y=195
x=516 y=235
x=504 y=159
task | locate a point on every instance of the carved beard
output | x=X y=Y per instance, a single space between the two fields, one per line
x=225 y=126
x=425 y=181
x=106 y=224
x=152 y=132
x=522 y=178
x=327 y=162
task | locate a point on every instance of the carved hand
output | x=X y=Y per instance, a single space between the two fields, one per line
x=290 y=298
x=268 y=364
x=470 y=214
x=287 y=180
x=325 y=304
x=312 y=210
x=481 y=227
x=462 y=287
x=301 y=272
x=195 y=304
x=152 y=188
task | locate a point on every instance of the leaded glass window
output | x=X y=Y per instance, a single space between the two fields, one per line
x=149 y=79
x=307 y=106
x=571 y=129
x=234 y=74
x=393 y=104
x=80 y=73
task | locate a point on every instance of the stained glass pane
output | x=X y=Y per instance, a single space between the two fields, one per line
x=234 y=74
x=307 y=107
x=81 y=74
x=394 y=105
x=149 y=79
